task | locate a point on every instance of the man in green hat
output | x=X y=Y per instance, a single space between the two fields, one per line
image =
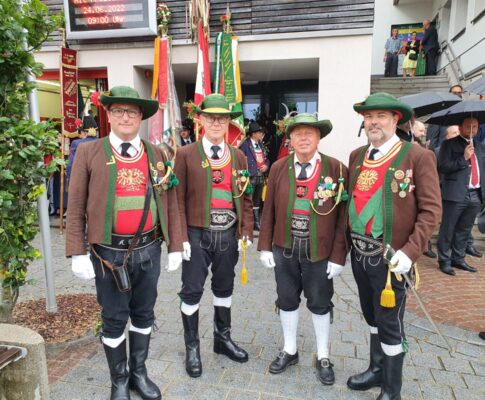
x=216 y=218
x=302 y=236
x=394 y=202
x=120 y=192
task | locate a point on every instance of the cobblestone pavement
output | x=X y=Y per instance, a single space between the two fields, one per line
x=430 y=372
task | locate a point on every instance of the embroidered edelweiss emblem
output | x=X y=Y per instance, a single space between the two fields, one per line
x=366 y=179
x=130 y=178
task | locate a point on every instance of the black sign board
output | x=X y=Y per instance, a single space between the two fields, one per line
x=94 y=19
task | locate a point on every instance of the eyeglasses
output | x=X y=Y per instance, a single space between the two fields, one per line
x=222 y=119
x=457 y=93
x=119 y=112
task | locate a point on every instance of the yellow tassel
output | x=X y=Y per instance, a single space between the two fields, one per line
x=263 y=193
x=244 y=271
x=417 y=279
x=244 y=276
x=388 y=297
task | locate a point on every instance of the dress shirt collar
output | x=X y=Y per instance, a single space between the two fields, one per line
x=206 y=144
x=384 y=149
x=312 y=161
x=115 y=142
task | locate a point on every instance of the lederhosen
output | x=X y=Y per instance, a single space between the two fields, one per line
x=370 y=219
x=215 y=246
x=295 y=269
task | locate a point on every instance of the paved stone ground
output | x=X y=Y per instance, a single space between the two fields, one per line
x=431 y=371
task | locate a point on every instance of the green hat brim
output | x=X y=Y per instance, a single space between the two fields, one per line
x=148 y=107
x=324 y=126
x=384 y=101
x=219 y=111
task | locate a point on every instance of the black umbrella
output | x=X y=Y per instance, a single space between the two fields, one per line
x=428 y=102
x=457 y=113
x=477 y=87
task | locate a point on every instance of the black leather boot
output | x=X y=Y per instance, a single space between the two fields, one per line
x=223 y=343
x=373 y=375
x=391 y=377
x=118 y=371
x=257 y=225
x=139 y=380
x=193 y=365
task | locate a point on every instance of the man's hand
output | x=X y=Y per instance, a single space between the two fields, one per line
x=400 y=263
x=267 y=259
x=82 y=266
x=187 y=252
x=174 y=261
x=334 y=270
x=263 y=168
x=243 y=239
x=469 y=150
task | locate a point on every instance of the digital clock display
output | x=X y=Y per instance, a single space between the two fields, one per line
x=94 y=19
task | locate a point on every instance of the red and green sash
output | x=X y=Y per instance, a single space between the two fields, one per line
x=222 y=181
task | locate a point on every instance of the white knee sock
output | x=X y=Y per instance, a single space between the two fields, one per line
x=289 y=323
x=222 y=301
x=143 y=331
x=321 y=324
x=392 y=350
x=188 y=309
x=113 y=343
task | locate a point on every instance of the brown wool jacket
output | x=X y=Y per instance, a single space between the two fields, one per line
x=195 y=189
x=327 y=232
x=415 y=216
x=91 y=199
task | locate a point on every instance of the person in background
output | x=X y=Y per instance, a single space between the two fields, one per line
x=303 y=238
x=391 y=50
x=411 y=59
x=462 y=165
x=258 y=164
x=87 y=133
x=431 y=46
x=186 y=136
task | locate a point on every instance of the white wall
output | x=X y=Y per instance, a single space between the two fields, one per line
x=385 y=15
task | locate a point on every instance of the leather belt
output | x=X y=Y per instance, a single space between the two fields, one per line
x=366 y=245
x=122 y=242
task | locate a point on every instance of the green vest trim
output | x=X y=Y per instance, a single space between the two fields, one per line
x=291 y=199
x=163 y=223
x=208 y=192
x=108 y=211
x=236 y=200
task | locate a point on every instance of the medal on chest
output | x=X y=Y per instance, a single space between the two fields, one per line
x=217 y=176
x=301 y=191
x=366 y=179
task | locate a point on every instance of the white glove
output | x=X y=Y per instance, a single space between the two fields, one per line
x=267 y=258
x=174 y=261
x=239 y=243
x=187 y=251
x=333 y=270
x=82 y=266
x=400 y=263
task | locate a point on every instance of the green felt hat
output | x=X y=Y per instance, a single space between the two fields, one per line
x=385 y=101
x=128 y=95
x=216 y=104
x=324 y=125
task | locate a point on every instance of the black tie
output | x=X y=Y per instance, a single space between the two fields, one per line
x=215 y=150
x=257 y=146
x=372 y=153
x=303 y=166
x=124 y=149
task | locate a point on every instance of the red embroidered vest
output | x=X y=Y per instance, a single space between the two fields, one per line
x=131 y=180
x=304 y=191
x=222 y=181
x=368 y=184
